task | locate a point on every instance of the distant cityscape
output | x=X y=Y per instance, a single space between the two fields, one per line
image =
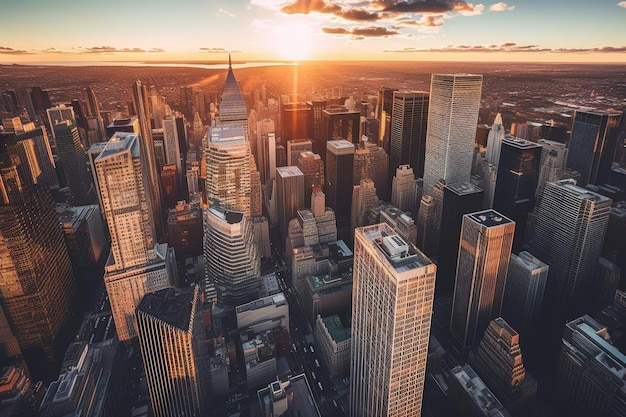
x=313 y=239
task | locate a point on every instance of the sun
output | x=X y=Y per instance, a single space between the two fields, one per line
x=293 y=42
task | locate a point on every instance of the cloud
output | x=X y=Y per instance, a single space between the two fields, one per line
x=224 y=12
x=501 y=7
x=12 y=51
x=55 y=51
x=622 y=4
x=429 y=21
x=309 y=6
x=156 y=50
x=511 y=47
x=429 y=6
x=110 y=50
x=218 y=50
x=362 y=33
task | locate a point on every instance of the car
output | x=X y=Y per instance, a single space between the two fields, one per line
x=294 y=347
x=319 y=384
x=313 y=375
x=335 y=403
x=305 y=349
x=317 y=363
x=312 y=350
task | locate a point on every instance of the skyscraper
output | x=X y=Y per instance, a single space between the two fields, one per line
x=363 y=196
x=340 y=123
x=590 y=376
x=458 y=199
x=170 y=144
x=452 y=119
x=518 y=172
x=393 y=291
x=174 y=351
x=228 y=168
x=404 y=190
x=142 y=108
x=592 y=145
x=233 y=108
x=485 y=248
x=552 y=165
x=37 y=283
x=523 y=293
x=73 y=160
x=295 y=147
x=296 y=122
x=494 y=141
x=44 y=156
x=570 y=226
x=290 y=196
x=136 y=264
x=312 y=166
x=372 y=162
x=339 y=184
x=408 y=131
x=232 y=261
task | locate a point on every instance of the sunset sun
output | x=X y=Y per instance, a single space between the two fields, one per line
x=293 y=42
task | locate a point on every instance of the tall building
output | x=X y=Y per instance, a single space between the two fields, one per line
x=372 y=162
x=232 y=261
x=425 y=219
x=518 y=173
x=485 y=248
x=37 y=283
x=142 y=108
x=170 y=143
x=296 y=120
x=340 y=123
x=494 y=141
x=290 y=196
x=552 y=165
x=570 y=226
x=233 y=108
x=45 y=159
x=404 y=190
x=393 y=293
x=136 y=264
x=363 y=196
x=408 y=131
x=523 y=292
x=590 y=376
x=339 y=184
x=458 y=200
x=312 y=167
x=228 y=168
x=498 y=361
x=592 y=145
x=174 y=351
x=452 y=119
x=60 y=114
x=73 y=161
x=295 y=147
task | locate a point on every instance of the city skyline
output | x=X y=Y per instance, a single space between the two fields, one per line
x=253 y=30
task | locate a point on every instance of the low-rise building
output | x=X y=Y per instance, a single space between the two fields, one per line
x=332 y=338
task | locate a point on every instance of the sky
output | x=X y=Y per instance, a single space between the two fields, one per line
x=269 y=30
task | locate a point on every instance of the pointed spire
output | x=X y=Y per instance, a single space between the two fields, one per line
x=230 y=64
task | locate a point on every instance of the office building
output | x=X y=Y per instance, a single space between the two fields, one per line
x=142 y=109
x=339 y=123
x=394 y=286
x=332 y=339
x=171 y=143
x=312 y=167
x=232 y=261
x=58 y=115
x=592 y=145
x=174 y=351
x=523 y=292
x=452 y=119
x=37 y=283
x=232 y=108
x=73 y=161
x=296 y=121
x=312 y=226
x=470 y=396
x=295 y=147
x=614 y=242
x=425 y=219
x=408 y=131
x=289 y=396
x=483 y=261
x=290 y=196
x=184 y=229
x=228 y=168
x=590 y=376
x=48 y=175
x=129 y=125
x=404 y=190
x=136 y=263
x=518 y=173
x=498 y=361
x=371 y=162
x=552 y=165
x=568 y=235
x=339 y=183
x=363 y=196
x=605 y=283
x=458 y=200
x=494 y=141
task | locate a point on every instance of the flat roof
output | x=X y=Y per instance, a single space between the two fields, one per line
x=289 y=171
x=172 y=305
x=335 y=327
x=121 y=142
x=489 y=218
x=464 y=188
x=521 y=143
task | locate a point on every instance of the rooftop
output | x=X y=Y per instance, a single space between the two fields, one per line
x=335 y=327
x=276 y=300
x=230 y=217
x=520 y=143
x=121 y=142
x=464 y=188
x=340 y=145
x=580 y=192
x=230 y=133
x=478 y=391
x=171 y=305
x=289 y=171
x=489 y=218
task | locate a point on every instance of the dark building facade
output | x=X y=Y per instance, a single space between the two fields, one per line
x=408 y=131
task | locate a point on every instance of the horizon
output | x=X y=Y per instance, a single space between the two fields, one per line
x=318 y=30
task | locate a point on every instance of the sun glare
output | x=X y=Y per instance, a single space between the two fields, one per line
x=293 y=42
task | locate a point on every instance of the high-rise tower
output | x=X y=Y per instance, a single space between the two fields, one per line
x=393 y=291
x=73 y=160
x=136 y=264
x=408 y=131
x=485 y=248
x=404 y=190
x=570 y=226
x=289 y=196
x=173 y=349
x=592 y=145
x=494 y=141
x=338 y=189
x=142 y=108
x=452 y=119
